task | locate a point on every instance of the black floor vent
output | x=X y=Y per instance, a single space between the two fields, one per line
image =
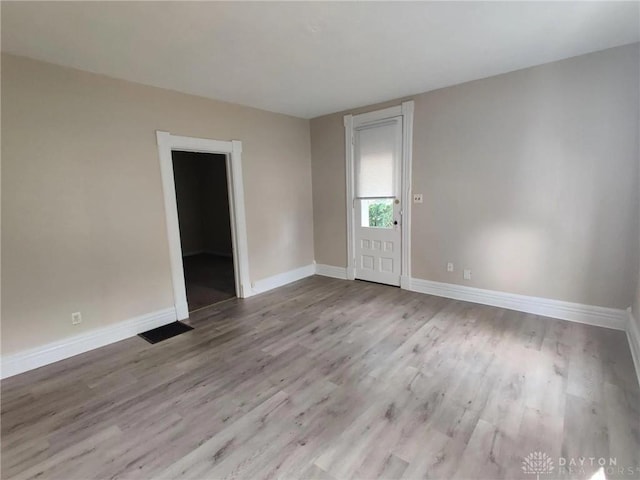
x=166 y=331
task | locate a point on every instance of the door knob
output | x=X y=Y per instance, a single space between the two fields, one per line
x=395 y=222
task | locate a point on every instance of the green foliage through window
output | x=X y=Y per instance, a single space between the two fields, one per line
x=381 y=214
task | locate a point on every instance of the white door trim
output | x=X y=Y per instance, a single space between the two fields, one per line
x=233 y=151
x=350 y=123
x=348 y=148
x=407 y=165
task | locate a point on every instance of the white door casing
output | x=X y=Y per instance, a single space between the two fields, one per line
x=233 y=153
x=373 y=253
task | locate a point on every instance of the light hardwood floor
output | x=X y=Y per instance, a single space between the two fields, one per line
x=332 y=379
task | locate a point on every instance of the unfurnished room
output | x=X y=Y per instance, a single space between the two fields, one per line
x=320 y=240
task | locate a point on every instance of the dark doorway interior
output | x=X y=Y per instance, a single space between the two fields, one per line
x=205 y=229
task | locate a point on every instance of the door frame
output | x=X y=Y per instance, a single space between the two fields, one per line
x=232 y=150
x=351 y=122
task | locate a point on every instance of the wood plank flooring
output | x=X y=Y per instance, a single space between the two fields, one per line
x=331 y=379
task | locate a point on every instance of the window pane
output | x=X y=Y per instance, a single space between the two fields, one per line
x=377 y=213
x=375 y=148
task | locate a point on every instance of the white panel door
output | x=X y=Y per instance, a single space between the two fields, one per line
x=377 y=206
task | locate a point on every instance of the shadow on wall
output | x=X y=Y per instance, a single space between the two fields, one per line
x=559 y=196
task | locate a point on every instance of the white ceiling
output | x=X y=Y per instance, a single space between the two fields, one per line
x=307 y=59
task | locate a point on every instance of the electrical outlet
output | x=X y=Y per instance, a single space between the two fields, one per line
x=467 y=274
x=76 y=318
x=449 y=267
x=417 y=198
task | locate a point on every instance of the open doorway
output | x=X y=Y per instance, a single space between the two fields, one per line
x=232 y=151
x=202 y=198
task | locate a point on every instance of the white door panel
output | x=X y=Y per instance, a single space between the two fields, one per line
x=377 y=207
x=378 y=254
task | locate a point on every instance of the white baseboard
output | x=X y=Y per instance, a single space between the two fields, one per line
x=331 y=271
x=599 y=316
x=52 y=352
x=574 y=312
x=281 y=279
x=633 y=336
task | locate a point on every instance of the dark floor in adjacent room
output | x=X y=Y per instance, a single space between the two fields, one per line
x=209 y=279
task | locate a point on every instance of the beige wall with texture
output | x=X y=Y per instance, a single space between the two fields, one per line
x=82 y=207
x=529 y=180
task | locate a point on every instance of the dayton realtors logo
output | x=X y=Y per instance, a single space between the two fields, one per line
x=537 y=463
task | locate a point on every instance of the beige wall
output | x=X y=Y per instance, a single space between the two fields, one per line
x=82 y=207
x=529 y=179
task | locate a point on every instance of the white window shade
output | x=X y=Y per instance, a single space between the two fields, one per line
x=375 y=160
